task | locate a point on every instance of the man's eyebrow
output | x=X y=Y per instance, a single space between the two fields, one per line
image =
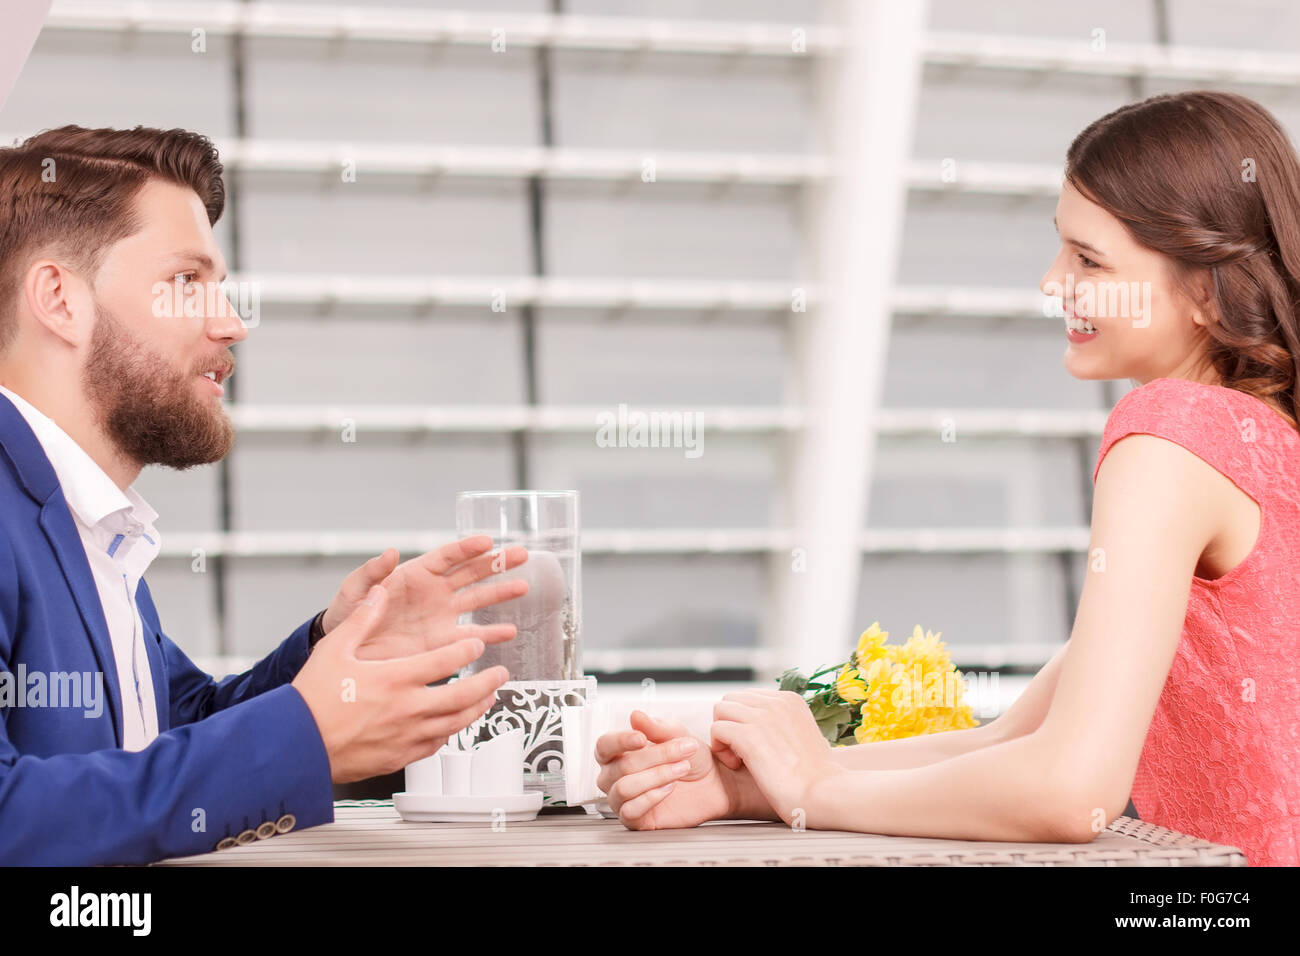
x=197 y=257
x=1080 y=243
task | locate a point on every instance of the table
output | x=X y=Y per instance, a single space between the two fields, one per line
x=370 y=833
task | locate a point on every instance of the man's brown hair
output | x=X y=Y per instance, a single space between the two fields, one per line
x=70 y=193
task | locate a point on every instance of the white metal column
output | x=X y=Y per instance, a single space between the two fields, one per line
x=871 y=93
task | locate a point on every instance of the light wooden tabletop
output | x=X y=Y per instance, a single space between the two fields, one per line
x=370 y=833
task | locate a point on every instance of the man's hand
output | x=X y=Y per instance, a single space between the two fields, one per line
x=659 y=777
x=776 y=736
x=425 y=597
x=375 y=717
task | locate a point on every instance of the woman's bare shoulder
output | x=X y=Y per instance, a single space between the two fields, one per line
x=1149 y=476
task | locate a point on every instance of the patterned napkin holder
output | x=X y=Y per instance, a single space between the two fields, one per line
x=533 y=706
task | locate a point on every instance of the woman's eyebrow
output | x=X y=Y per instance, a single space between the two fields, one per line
x=1079 y=242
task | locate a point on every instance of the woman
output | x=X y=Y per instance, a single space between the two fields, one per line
x=1178 y=683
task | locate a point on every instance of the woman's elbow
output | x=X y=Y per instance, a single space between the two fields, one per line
x=1078 y=813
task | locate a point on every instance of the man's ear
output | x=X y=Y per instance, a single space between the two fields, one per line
x=58 y=299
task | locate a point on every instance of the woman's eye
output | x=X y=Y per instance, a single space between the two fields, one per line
x=186 y=277
x=1088 y=263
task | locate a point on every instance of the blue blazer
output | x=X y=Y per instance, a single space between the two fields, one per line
x=230 y=755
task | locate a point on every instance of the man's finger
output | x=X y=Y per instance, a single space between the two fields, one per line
x=442 y=662
x=380 y=566
x=429 y=667
x=485 y=595
x=462 y=693
x=485 y=565
x=357 y=626
x=441 y=560
x=369 y=573
x=487 y=633
x=446 y=725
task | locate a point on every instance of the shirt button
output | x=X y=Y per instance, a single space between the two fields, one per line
x=267 y=829
x=285 y=823
x=245 y=838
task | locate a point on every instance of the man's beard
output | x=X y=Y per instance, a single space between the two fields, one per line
x=148 y=410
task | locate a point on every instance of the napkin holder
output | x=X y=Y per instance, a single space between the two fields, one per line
x=534 y=707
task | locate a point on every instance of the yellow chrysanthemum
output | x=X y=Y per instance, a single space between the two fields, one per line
x=911 y=690
x=871 y=646
x=850 y=686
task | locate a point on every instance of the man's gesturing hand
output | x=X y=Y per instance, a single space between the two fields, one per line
x=427 y=595
x=375 y=717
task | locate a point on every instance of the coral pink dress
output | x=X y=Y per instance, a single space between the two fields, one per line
x=1221 y=759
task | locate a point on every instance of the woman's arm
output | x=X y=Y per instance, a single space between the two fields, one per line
x=1157 y=507
x=1024 y=716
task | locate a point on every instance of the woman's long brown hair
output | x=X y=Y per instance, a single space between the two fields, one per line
x=1211 y=181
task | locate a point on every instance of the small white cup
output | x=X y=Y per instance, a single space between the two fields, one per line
x=425 y=776
x=456 y=772
x=498 y=768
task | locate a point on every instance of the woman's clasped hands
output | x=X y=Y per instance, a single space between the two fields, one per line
x=767 y=760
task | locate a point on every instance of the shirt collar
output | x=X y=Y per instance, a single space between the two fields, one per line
x=91 y=495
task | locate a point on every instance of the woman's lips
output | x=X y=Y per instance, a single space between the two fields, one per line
x=1072 y=334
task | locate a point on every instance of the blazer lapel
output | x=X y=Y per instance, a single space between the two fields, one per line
x=56 y=522
x=37 y=477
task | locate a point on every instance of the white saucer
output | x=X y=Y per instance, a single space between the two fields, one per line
x=436 y=808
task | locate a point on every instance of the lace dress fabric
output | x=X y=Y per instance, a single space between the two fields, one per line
x=1221 y=759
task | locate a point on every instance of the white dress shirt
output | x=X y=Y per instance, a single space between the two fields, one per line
x=120 y=539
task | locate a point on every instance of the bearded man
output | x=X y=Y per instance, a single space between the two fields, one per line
x=100 y=377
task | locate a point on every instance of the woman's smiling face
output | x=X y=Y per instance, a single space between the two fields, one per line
x=1145 y=327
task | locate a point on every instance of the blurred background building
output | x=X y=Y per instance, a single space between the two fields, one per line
x=818 y=228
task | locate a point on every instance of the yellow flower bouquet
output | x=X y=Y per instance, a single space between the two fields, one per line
x=886 y=691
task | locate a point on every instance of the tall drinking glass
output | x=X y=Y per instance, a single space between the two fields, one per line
x=548 y=644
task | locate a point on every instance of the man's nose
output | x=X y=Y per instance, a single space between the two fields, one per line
x=225 y=323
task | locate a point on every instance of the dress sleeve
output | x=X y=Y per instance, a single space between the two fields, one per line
x=1219 y=426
